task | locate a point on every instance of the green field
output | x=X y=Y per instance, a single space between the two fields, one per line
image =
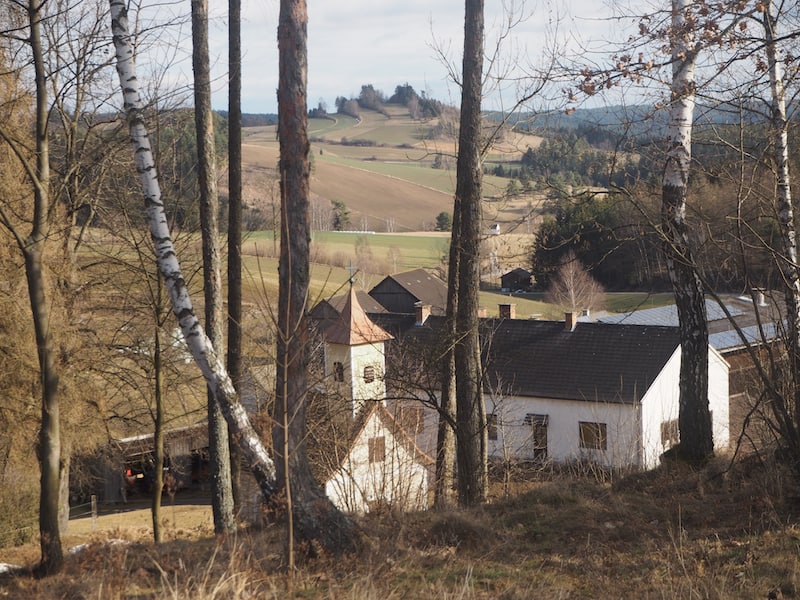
x=397 y=253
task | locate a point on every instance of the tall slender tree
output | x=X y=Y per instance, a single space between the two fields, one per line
x=779 y=134
x=32 y=246
x=233 y=359
x=219 y=452
x=694 y=419
x=197 y=341
x=471 y=435
x=311 y=514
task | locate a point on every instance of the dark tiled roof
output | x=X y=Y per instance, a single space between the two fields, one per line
x=594 y=362
x=418 y=285
x=367 y=302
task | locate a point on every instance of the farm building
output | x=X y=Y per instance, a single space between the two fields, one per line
x=400 y=293
x=565 y=391
x=381 y=467
x=516 y=279
x=735 y=327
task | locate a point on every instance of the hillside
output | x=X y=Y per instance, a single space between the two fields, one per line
x=728 y=531
x=382 y=168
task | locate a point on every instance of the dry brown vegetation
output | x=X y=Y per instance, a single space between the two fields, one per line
x=723 y=532
x=391 y=184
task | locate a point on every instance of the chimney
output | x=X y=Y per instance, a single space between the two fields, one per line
x=570 y=321
x=422 y=312
x=508 y=311
x=761 y=297
x=483 y=312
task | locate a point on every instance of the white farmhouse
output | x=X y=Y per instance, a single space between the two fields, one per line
x=565 y=391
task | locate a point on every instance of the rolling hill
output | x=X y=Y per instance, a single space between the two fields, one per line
x=382 y=168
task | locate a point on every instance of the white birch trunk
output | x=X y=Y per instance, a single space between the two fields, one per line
x=694 y=419
x=780 y=141
x=211 y=366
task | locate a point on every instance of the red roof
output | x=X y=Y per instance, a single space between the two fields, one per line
x=354 y=327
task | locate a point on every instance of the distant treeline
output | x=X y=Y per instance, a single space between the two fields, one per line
x=419 y=106
x=253 y=119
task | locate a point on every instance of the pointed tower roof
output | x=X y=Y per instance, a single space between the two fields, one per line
x=354 y=327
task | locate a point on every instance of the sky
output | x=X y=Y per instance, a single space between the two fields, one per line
x=386 y=43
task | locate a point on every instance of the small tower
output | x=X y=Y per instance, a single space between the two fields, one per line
x=354 y=354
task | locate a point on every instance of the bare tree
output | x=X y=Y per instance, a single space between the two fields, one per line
x=573 y=288
x=32 y=246
x=202 y=350
x=694 y=418
x=219 y=453
x=780 y=144
x=233 y=358
x=312 y=516
x=471 y=442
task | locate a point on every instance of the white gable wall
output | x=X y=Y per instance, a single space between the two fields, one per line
x=661 y=404
x=400 y=480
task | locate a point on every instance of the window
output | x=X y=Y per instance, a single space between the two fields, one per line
x=338 y=371
x=377 y=449
x=669 y=434
x=369 y=374
x=593 y=435
x=538 y=437
x=411 y=419
x=491 y=426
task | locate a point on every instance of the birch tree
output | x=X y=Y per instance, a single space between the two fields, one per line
x=694 y=419
x=202 y=350
x=219 y=453
x=779 y=135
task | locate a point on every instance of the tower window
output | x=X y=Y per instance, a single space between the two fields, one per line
x=369 y=374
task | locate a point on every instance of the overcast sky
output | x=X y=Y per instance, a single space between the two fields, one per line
x=383 y=43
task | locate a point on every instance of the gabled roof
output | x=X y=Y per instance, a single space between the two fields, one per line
x=354 y=327
x=596 y=362
x=419 y=284
x=518 y=272
x=336 y=448
x=367 y=302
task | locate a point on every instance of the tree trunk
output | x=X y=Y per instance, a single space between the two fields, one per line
x=788 y=260
x=470 y=414
x=234 y=356
x=694 y=419
x=49 y=448
x=158 y=432
x=202 y=351
x=219 y=454
x=316 y=518
x=446 y=435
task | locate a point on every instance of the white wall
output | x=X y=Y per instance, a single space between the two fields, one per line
x=661 y=404
x=354 y=359
x=400 y=481
x=563 y=438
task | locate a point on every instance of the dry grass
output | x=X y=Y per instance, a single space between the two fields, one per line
x=673 y=533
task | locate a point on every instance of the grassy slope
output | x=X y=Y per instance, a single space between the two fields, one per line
x=721 y=533
x=392 y=179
